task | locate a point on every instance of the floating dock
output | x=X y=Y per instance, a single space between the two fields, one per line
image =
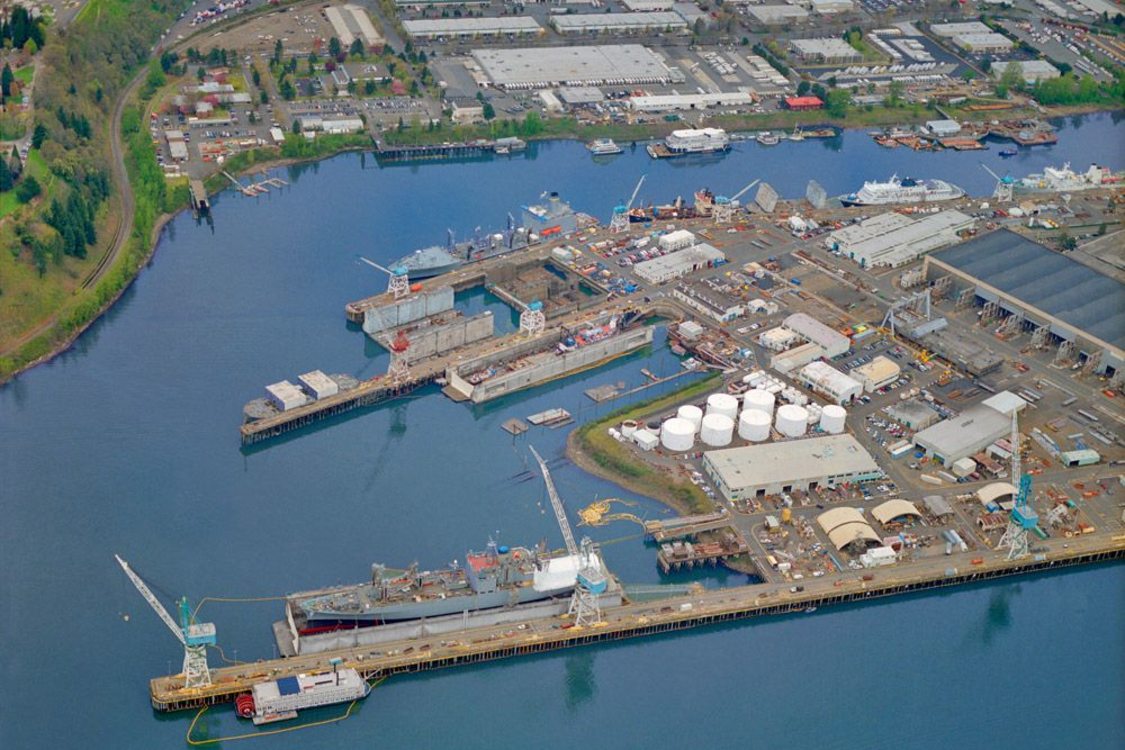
x=199 y=201
x=489 y=643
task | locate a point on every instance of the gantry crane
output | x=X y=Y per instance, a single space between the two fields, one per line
x=195 y=637
x=398 y=283
x=1004 y=185
x=591 y=579
x=1023 y=518
x=620 y=221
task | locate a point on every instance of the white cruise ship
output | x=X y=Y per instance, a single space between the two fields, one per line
x=603 y=147
x=684 y=142
x=905 y=190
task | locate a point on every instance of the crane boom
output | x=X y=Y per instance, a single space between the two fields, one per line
x=636 y=190
x=373 y=264
x=742 y=192
x=152 y=600
x=556 y=503
x=994 y=175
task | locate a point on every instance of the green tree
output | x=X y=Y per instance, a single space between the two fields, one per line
x=968 y=75
x=356 y=50
x=6 y=179
x=6 y=78
x=255 y=76
x=1012 y=77
x=334 y=47
x=296 y=126
x=263 y=97
x=489 y=111
x=39 y=135
x=369 y=87
x=803 y=88
x=27 y=189
x=287 y=91
x=838 y=102
x=277 y=52
x=895 y=91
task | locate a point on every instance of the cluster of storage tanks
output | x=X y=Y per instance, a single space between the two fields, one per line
x=753 y=419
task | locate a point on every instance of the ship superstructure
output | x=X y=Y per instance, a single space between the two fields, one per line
x=904 y=190
x=685 y=142
x=438 y=259
x=1064 y=180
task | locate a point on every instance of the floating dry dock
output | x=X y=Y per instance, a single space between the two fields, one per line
x=489 y=643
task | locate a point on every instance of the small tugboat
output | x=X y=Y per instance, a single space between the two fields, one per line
x=1007 y=152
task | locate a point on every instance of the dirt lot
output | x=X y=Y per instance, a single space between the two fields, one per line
x=300 y=31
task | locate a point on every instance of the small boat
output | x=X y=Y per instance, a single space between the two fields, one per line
x=810 y=610
x=797 y=135
x=1006 y=152
x=603 y=147
x=766 y=138
x=503 y=150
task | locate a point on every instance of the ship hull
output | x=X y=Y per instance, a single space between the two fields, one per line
x=321 y=622
x=427 y=272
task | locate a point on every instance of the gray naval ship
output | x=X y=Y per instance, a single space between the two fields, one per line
x=498 y=577
x=555 y=217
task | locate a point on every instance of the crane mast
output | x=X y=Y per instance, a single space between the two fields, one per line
x=194 y=637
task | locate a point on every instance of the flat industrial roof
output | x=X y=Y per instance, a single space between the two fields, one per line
x=964 y=434
x=644 y=19
x=826 y=46
x=791 y=460
x=501 y=25
x=1042 y=279
x=574 y=65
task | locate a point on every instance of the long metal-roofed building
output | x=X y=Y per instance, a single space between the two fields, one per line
x=773 y=468
x=679 y=263
x=593 y=65
x=832 y=342
x=970 y=432
x=470 y=28
x=580 y=23
x=1077 y=303
x=892 y=240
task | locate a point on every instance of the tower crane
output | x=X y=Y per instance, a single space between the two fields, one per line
x=398 y=285
x=724 y=207
x=195 y=637
x=1003 y=191
x=620 y=221
x=1023 y=518
x=591 y=579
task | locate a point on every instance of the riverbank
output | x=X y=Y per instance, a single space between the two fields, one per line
x=592 y=449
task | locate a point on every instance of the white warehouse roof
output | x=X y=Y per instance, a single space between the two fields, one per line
x=892 y=239
x=472 y=26
x=956 y=29
x=1005 y=402
x=579 y=22
x=886 y=512
x=676 y=264
x=665 y=102
x=879 y=370
x=833 y=342
x=825 y=378
x=595 y=65
x=795 y=461
x=776 y=14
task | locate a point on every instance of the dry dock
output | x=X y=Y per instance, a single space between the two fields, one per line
x=634 y=620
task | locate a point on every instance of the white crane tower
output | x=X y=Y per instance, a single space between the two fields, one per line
x=398 y=284
x=1003 y=191
x=591 y=579
x=620 y=221
x=723 y=211
x=1023 y=519
x=195 y=637
x=532 y=320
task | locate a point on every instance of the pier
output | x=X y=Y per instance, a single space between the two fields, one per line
x=634 y=620
x=199 y=200
x=479 y=147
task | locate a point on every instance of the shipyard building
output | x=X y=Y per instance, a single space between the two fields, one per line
x=892 y=240
x=799 y=340
x=679 y=263
x=595 y=65
x=822 y=378
x=470 y=28
x=879 y=372
x=1076 y=303
x=619 y=23
x=976 y=428
x=774 y=468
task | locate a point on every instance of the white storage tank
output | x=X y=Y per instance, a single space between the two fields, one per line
x=692 y=414
x=832 y=419
x=717 y=431
x=759 y=400
x=754 y=425
x=792 y=420
x=723 y=403
x=628 y=427
x=677 y=435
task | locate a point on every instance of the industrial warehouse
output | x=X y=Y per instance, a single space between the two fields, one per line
x=599 y=65
x=893 y=240
x=1079 y=306
x=774 y=468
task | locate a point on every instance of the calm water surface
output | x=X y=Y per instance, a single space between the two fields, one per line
x=128 y=443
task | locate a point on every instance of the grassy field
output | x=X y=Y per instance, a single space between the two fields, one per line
x=24 y=74
x=593 y=449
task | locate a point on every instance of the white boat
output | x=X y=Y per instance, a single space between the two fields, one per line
x=603 y=147
x=1066 y=180
x=905 y=190
x=281 y=699
x=797 y=135
x=766 y=138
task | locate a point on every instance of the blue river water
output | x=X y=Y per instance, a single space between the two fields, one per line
x=128 y=444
